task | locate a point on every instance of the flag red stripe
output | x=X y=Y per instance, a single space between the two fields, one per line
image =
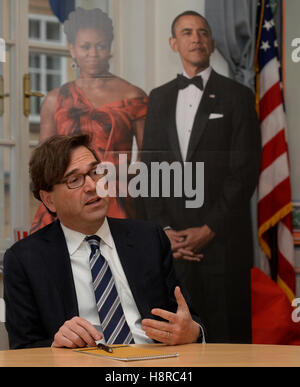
x=271 y=99
x=273 y=149
x=274 y=201
x=288 y=222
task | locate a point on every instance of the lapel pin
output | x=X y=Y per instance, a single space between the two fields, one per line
x=212 y=96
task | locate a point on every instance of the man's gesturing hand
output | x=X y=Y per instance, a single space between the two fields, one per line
x=179 y=327
x=76 y=332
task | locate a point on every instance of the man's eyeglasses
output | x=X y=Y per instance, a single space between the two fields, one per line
x=78 y=180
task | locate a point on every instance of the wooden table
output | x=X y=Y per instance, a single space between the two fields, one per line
x=191 y=355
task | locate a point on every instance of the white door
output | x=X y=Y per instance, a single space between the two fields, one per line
x=14 y=194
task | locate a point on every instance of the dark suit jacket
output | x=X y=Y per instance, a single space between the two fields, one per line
x=230 y=147
x=39 y=289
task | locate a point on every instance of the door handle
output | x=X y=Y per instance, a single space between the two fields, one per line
x=27 y=94
x=2 y=95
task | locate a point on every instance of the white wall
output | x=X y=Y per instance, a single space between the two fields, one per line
x=292 y=93
x=292 y=99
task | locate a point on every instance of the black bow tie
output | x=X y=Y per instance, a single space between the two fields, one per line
x=184 y=82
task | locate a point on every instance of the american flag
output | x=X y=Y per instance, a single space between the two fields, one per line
x=274 y=188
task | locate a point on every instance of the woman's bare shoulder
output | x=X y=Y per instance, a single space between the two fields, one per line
x=50 y=99
x=47 y=126
x=129 y=90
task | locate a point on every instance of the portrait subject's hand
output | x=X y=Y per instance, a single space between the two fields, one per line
x=76 y=332
x=179 y=327
x=173 y=237
x=195 y=238
x=181 y=253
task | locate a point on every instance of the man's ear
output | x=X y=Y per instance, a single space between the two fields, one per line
x=173 y=43
x=47 y=199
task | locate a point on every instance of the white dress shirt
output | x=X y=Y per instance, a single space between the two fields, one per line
x=79 y=251
x=188 y=101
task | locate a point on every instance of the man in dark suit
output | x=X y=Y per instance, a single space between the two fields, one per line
x=204 y=117
x=61 y=289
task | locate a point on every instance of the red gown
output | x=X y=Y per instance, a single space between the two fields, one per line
x=110 y=128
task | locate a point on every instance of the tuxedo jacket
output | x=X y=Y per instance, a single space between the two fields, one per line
x=39 y=288
x=226 y=137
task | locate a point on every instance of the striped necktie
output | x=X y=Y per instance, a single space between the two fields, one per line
x=111 y=314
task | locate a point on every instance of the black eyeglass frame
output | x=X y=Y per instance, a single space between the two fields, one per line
x=92 y=173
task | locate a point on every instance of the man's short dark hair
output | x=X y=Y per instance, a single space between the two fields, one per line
x=187 y=13
x=50 y=160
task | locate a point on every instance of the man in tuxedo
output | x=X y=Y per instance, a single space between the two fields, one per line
x=86 y=277
x=204 y=117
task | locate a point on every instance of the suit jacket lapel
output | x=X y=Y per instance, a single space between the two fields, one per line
x=206 y=106
x=58 y=263
x=125 y=245
x=170 y=115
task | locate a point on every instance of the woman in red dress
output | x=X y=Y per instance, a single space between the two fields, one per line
x=107 y=107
